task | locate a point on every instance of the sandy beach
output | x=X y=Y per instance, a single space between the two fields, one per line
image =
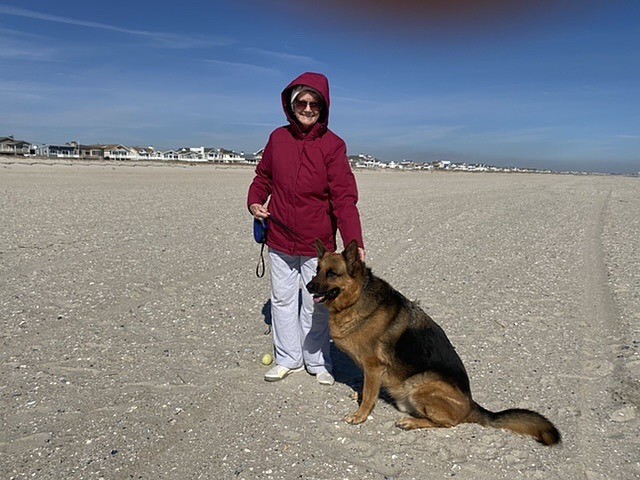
x=133 y=326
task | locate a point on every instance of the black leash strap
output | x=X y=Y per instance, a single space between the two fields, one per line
x=260 y=269
x=285 y=228
x=260 y=266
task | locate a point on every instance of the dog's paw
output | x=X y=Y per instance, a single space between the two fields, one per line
x=407 y=423
x=355 y=418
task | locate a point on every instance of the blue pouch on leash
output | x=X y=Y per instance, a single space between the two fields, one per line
x=260 y=229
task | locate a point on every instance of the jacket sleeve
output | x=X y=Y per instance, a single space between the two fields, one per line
x=343 y=193
x=260 y=188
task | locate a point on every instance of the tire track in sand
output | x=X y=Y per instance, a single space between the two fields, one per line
x=599 y=367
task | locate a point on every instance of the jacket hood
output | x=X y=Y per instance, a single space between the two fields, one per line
x=319 y=83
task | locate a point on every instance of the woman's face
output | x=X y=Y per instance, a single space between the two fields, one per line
x=306 y=108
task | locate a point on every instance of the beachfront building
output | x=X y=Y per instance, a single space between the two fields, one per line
x=170 y=155
x=469 y=168
x=211 y=154
x=11 y=146
x=70 y=150
x=365 y=161
x=256 y=157
x=59 y=151
x=195 y=154
x=147 y=153
x=205 y=154
x=221 y=155
x=118 y=152
x=229 y=156
x=91 y=152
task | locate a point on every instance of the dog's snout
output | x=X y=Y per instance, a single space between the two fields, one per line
x=311 y=286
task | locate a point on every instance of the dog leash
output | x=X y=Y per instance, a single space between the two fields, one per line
x=260 y=268
x=287 y=229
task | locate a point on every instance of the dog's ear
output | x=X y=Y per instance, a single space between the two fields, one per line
x=320 y=248
x=352 y=257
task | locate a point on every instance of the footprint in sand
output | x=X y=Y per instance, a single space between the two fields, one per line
x=291 y=436
x=26 y=443
x=598 y=368
x=624 y=414
x=633 y=368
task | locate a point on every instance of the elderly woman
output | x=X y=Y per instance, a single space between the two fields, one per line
x=305 y=177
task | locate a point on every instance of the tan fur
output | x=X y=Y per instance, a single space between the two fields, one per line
x=375 y=325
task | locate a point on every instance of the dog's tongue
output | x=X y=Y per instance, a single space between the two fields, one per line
x=318 y=299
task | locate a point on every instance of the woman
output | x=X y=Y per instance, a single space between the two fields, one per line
x=305 y=177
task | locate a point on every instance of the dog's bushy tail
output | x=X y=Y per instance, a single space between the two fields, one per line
x=519 y=420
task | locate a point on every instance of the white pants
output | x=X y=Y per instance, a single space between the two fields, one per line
x=300 y=327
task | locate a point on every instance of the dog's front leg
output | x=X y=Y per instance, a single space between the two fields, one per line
x=370 y=392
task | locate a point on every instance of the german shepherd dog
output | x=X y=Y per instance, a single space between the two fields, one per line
x=399 y=347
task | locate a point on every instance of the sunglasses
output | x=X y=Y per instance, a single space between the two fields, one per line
x=302 y=105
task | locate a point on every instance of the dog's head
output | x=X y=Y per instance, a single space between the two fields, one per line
x=339 y=277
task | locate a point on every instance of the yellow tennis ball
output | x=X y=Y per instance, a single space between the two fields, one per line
x=267 y=359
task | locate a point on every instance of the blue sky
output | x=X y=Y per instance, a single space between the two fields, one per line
x=557 y=87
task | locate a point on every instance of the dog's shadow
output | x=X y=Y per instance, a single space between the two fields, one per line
x=345 y=370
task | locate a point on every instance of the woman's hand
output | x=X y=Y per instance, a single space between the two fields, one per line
x=259 y=211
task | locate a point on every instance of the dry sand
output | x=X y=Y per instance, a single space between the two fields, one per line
x=133 y=327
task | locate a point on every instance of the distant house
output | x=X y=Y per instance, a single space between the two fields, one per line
x=147 y=153
x=91 y=151
x=256 y=157
x=11 y=146
x=118 y=152
x=170 y=155
x=211 y=154
x=84 y=151
x=60 y=151
x=71 y=150
x=365 y=161
x=221 y=155
x=253 y=158
x=229 y=156
x=191 y=155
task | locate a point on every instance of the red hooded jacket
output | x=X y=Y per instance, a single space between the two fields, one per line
x=313 y=190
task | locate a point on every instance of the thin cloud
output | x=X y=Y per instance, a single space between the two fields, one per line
x=17 y=33
x=13 y=90
x=357 y=101
x=423 y=133
x=245 y=67
x=20 y=46
x=516 y=136
x=288 y=57
x=167 y=40
x=22 y=53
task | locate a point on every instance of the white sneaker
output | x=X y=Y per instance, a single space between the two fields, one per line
x=279 y=372
x=325 y=378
